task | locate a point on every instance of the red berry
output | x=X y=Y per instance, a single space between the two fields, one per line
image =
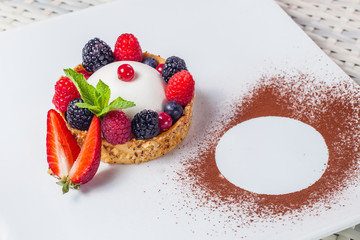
x=127 y=47
x=65 y=91
x=125 y=72
x=74 y=166
x=180 y=88
x=88 y=161
x=165 y=121
x=116 y=127
x=85 y=73
x=61 y=146
x=160 y=68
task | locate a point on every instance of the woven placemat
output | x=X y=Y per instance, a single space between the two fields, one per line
x=14 y=13
x=335 y=27
x=333 y=24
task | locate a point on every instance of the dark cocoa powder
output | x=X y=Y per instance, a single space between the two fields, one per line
x=333 y=109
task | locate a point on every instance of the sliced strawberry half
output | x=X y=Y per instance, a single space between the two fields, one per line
x=72 y=165
x=88 y=161
x=61 y=146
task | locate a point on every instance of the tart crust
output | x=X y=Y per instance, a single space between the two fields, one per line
x=138 y=151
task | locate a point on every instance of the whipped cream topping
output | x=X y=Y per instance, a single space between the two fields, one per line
x=146 y=90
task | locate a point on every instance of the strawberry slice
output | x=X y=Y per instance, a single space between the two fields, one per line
x=61 y=146
x=72 y=165
x=88 y=161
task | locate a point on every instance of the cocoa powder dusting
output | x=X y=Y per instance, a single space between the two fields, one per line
x=333 y=109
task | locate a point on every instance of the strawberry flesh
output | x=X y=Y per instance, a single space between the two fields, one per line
x=88 y=160
x=61 y=146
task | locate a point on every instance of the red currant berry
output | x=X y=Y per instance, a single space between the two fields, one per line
x=125 y=72
x=165 y=121
x=160 y=68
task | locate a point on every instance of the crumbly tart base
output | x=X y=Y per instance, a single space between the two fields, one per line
x=138 y=151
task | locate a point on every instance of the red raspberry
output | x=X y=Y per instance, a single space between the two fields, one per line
x=65 y=91
x=180 y=88
x=127 y=47
x=116 y=127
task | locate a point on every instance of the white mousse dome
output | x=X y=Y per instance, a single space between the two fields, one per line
x=146 y=90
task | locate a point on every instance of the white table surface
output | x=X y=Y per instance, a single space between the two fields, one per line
x=249 y=38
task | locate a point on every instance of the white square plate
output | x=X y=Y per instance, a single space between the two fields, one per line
x=226 y=44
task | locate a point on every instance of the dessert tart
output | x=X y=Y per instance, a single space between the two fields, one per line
x=169 y=111
x=138 y=151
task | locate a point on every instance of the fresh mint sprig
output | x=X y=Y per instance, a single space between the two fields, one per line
x=96 y=99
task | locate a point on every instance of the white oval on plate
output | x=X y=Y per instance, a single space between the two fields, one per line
x=272 y=155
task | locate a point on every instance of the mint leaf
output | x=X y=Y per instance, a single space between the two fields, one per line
x=104 y=111
x=86 y=90
x=118 y=103
x=96 y=99
x=105 y=90
x=93 y=109
x=121 y=103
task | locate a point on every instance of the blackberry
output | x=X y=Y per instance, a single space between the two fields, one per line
x=145 y=124
x=95 y=54
x=150 y=61
x=79 y=118
x=171 y=66
x=174 y=109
